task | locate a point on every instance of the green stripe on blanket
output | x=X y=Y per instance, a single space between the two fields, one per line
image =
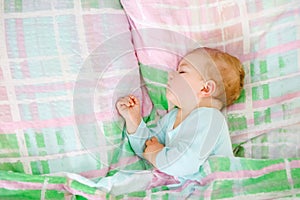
x=244 y=177
x=155 y=80
x=222 y=178
x=11 y=176
x=30 y=194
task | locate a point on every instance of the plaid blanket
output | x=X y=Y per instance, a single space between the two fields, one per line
x=63 y=64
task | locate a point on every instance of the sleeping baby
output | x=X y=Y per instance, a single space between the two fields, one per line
x=206 y=80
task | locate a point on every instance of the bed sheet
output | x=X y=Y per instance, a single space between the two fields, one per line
x=63 y=66
x=225 y=178
x=264 y=35
x=65 y=63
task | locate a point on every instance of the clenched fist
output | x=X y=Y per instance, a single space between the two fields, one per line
x=129 y=109
x=153 y=147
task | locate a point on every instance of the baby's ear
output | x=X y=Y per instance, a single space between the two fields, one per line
x=208 y=88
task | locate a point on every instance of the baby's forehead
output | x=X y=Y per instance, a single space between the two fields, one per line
x=201 y=61
x=196 y=57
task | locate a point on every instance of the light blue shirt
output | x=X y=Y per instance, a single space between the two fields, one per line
x=202 y=134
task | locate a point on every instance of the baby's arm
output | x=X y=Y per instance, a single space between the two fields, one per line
x=197 y=139
x=143 y=134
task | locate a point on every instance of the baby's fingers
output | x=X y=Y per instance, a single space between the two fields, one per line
x=154 y=140
x=148 y=142
x=151 y=141
x=125 y=101
x=134 y=99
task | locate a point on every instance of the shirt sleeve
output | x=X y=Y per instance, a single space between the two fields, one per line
x=137 y=140
x=195 y=140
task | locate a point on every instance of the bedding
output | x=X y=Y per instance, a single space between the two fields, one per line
x=63 y=65
x=263 y=34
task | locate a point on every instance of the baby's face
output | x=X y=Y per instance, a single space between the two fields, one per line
x=186 y=82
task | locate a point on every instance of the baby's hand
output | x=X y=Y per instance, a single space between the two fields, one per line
x=128 y=105
x=129 y=109
x=153 y=147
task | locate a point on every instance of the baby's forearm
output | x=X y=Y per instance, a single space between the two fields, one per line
x=132 y=124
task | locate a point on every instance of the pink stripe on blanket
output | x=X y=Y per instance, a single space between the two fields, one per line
x=98 y=30
x=160 y=179
x=270 y=19
x=5 y=115
x=9 y=127
x=94 y=173
x=176 y=13
x=243 y=174
x=295 y=164
x=275 y=100
x=3 y=93
x=99 y=195
x=238 y=106
x=153 y=58
x=16 y=185
x=206 y=37
x=43 y=88
x=274 y=50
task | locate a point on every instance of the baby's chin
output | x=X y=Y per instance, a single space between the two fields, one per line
x=172 y=100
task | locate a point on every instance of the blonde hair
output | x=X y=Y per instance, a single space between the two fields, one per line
x=231 y=72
